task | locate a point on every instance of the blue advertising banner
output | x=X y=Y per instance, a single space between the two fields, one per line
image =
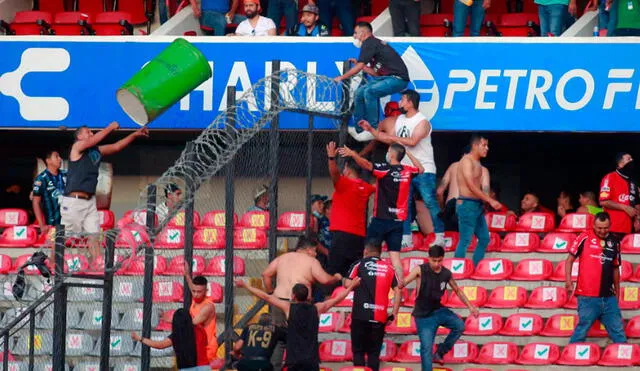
x=510 y=85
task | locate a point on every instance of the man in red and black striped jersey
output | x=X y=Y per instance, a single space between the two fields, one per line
x=598 y=280
x=370 y=302
x=390 y=208
x=619 y=195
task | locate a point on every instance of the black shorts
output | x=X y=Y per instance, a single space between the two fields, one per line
x=389 y=231
x=346 y=249
x=449 y=217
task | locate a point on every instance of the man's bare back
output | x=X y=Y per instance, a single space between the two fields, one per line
x=296 y=267
x=454 y=190
x=475 y=169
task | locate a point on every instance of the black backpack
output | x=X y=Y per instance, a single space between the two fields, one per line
x=39 y=260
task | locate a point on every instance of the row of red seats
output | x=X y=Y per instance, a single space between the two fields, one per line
x=498 y=353
x=506 y=297
x=507 y=24
x=136 y=8
x=69 y=24
x=488 y=324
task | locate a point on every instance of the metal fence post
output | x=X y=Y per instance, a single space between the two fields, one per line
x=145 y=359
x=274 y=144
x=59 y=304
x=107 y=298
x=188 y=230
x=309 y=176
x=346 y=92
x=32 y=331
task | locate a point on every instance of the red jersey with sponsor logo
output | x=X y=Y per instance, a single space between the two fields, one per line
x=598 y=260
x=371 y=298
x=614 y=187
x=392 y=194
x=350 y=200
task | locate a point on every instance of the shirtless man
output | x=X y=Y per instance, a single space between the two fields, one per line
x=450 y=183
x=300 y=266
x=471 y=198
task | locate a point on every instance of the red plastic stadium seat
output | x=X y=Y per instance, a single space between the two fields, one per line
x=522 y=324
x=107 y=219
x=179 y=221
x=132 y=236
x=335 y=351
x=539 y=354
x=559 y=271
x=409 y=263
x=547 y=298
x=579 y=354
x=329 y=322
x=216 y=267
x=19 y=236
x=485 y=324
x=215 y=292
x=135 y=8
x=450 y=240
x=91 y=7
x=576 y=223
x=520 y=242
x=517 y=24
x=387 y=352
x=354 y=368
x=633 y=327
x=217 y=218
x=347 y=302
x=438 y=25
x=507 y=297
x=75 y=263
x=176 y=266
x=135 y=216
x=620 y=355
x=477 y=295
x=498 y=353
x=462 y=352
x=598 y=330
x=346 y=326
x=629 y=298
x=170 y=238
x=31 y=23
x=255 y=219
x=556 y=242
x=19 y=262
x=494 y=242
x=461 y=268
x=572 y=303
x=71 y=23
x=409 y=297
x=11 y=217
x=135 y=266
x=407 y=369
x=404 y=323
x=560 y=325
x=209 y=238
x=626 y=271
x=113 y=23
x=418 y=242
x=249 y=238
x=51 y=6
x=5 y=264
x=500 y=222
x=167 y=292
x=292 y=221
x=630 y=244
x=536 y=222
x=532 y=270
x=409 y=352
x=493 y=269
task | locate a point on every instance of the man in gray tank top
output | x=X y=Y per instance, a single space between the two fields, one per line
x=78 y=208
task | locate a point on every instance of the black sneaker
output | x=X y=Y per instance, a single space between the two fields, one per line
x=437 y=358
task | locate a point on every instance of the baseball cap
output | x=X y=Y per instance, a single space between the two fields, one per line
x=315 y=198
x=259 y=192
x=311 y=9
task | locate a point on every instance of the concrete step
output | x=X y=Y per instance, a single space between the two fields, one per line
x=463 y=367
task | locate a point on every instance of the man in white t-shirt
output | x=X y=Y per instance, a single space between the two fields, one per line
x=255 y=24
x=412 y=130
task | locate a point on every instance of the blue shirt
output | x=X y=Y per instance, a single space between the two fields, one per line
x=50 y=188
x=220 y=6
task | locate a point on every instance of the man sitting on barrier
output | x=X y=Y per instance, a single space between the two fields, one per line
x=388 y=72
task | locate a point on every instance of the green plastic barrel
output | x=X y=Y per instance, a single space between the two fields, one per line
x=175 y=72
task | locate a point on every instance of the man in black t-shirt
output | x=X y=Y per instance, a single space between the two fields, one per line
x=389 y=76
x=428 y=312
x=256 y=344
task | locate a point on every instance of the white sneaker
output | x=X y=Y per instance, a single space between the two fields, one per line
x=439 y=240
x=363 y=136
x=407 y=241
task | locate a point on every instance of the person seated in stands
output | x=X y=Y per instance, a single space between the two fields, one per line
x=309 y=24
x=588 y=203
x=255 y=24
x=389 y=75
x=173 y=193
x=565 y=205
x=531 y=204
x=215 y=14
x=261 y=200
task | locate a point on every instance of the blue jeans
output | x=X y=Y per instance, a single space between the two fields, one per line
x=216 y=20
x=471 y=221
x=287 y=8
x=427 y=328
x=552 y=18
x=606 y=310
x=341 y=9
x=424 y=183
x=460 y=14
x=368 y=96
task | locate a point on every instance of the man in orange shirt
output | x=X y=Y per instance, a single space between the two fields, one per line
x=203 y=310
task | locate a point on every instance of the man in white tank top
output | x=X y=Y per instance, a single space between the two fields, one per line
x=413 y=130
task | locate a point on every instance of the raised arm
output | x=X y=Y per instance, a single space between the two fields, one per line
x=362 y=162
x=331 y=159
x=324 y=306
x=415 y=162
x=82 y=145
x=109 y=149
x=472 y=309
x=384 y=132
x=276 y=302
x=268 y=274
